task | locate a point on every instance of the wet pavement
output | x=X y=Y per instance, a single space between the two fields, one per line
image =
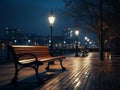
x=56 y=79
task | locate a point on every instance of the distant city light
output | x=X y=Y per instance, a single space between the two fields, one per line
x=64 y=42
x=90 y=42
x=15 y=41
x=71 y=33
x=6 y=28
x=75 y=41
x=29 y=41
x=49 y=41
x=85 y=38
x=78 y=42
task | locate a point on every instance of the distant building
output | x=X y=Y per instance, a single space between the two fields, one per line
x=14 y=35
x=69 y=35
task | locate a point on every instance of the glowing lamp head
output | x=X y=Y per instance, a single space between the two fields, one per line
x=51 y=18
x=76 y=32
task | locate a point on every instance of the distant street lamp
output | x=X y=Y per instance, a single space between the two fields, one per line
x=88 y=40
x=15 y=41
x=29 y=41
x=76 y=33
x=64 y=43
x=51 y=19
x=85 y=38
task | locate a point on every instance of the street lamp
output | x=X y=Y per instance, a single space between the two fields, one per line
x=76 y=33
x=29 y=41
x=51 y=19
x=86 y=38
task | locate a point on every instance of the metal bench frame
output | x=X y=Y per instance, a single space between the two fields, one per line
x=32 y=56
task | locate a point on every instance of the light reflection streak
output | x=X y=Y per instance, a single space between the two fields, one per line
x=85 y=73
x=78 y=83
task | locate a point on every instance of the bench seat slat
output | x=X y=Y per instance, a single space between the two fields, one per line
x=26 y=61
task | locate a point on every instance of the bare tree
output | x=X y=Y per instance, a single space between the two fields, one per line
x=86 y=14
x=112 y=17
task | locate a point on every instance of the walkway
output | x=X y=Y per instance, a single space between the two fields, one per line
x=83 y=73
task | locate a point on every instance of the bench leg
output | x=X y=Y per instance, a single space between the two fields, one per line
x=47 y=68
x=14 y=80
x=63 y=68
x=39 y=79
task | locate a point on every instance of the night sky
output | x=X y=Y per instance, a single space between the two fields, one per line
x=31 y=16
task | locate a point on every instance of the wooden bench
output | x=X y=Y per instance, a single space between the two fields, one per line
x=32 y=56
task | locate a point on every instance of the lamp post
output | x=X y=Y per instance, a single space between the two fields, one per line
x=51 y=19
x=76 y=33
x=86 y=41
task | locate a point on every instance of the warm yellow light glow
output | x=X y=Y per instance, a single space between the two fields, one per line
x=51 y=20
x=76 y=32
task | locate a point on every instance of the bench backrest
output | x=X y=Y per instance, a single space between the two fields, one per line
x=39 y=51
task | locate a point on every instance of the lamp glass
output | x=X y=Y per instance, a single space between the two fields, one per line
x=51 y=20
x=76 y=32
